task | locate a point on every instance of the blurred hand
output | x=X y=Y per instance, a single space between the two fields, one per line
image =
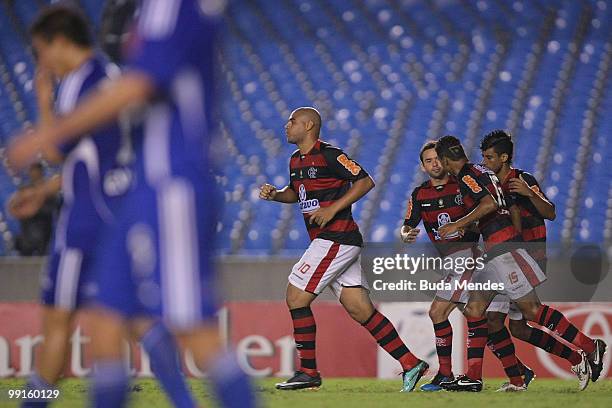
x=267 y=192
x=322 y=216
x=408 y=234
x=26 y=203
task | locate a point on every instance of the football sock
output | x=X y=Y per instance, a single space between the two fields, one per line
x=502 y=346
x=109 y=384
x=548 y=343
x=476 y=342
x=304 y=333
x=231 y=385
x=165 y=364
x=385 y=334
x=556 y=322
x=444 y=347
x=36 y=382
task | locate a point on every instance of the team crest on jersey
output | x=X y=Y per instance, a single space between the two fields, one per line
x=306 y=206
x=443 y=219
x=312 y=172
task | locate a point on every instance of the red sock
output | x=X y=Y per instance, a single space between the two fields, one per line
x=304 y=333
x=502 y=346
x=546 y=342
x=476 y=342
x=444 y=347
x=385 y=334
x=556 y=322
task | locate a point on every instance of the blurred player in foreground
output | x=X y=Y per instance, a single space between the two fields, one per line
x=507 y=264
x=64 y=50
x=326 y=182
x=437 y=202
x=157 y=262
x=524 y=191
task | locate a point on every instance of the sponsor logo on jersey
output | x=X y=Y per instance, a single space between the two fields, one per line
x=471 y=183
x=349 y=164
x=306 y=206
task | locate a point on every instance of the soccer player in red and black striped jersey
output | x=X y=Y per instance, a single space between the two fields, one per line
x=437 y=202
x=325 y=183
x=534 y=207
x=511 y=268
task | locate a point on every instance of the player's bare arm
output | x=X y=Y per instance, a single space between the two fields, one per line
x=486 y=205
x=325 y=214
x=270 y=193
x=101 y=107
x=544 y=207
x=515 y=215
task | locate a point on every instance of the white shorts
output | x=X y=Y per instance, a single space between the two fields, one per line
x=516 y=270
x=502 y=304
x=327 y=263
x=453 y=278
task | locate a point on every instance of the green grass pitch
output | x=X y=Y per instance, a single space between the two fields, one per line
x=358 y=392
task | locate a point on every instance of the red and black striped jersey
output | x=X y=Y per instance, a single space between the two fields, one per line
x=534 y=227
x=476 y=182
x=436 y=206
x=321 y=177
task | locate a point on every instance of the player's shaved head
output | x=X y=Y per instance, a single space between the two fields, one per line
x=309 y=114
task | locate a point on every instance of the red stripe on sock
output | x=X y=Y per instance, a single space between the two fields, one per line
x=374 y=321
x=303 y=322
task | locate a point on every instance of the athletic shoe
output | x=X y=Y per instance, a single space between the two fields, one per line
x=528 y=375
x=582 y=371
x=300 y=381
x=434 y=384
x=596 y=359
x=411 y=377
x=463 y=383
x=508 y=387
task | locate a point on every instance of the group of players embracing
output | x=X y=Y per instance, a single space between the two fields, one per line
x=459 y=203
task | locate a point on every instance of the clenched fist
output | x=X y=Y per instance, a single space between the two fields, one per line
x=267 y=192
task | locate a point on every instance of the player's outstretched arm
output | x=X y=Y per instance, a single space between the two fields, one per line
x=270 y=193
x=101 y=107
x=486 y=205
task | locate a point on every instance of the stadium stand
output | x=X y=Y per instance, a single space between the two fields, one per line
x=387 y=75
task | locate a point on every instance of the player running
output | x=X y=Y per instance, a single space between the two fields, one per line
x=437 y=202
x=64 y=50
x=523 y=189
x=506 y=264
x=157 y=262
x=326 y=182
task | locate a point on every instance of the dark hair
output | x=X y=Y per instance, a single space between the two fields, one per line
x=62 y=20
x=428 y=145
x=501 y=142
x=450 y=147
